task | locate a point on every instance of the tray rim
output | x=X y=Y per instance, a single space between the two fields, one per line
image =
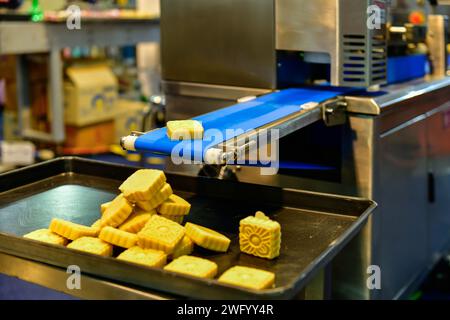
x=69 y=159
x=283 y=292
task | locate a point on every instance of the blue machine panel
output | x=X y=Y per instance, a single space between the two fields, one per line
x=406 y=68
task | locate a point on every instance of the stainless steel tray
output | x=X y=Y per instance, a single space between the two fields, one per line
x=315 y=227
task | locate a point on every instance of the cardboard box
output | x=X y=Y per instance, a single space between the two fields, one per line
x=130 y=117
x=90 y=95
x=90 y=139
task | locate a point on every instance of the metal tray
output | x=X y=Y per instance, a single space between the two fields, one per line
x=315 y=227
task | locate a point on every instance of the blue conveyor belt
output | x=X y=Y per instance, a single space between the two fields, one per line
x=243 y=116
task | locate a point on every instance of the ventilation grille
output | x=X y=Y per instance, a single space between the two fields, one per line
x=378 y=61
x=363 y=60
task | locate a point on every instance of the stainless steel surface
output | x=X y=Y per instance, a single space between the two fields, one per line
x=203 y=90
x=317 y=290
x=299 y=29
x=235 y=42
x=438 y=150
x=407 y=234
x=358 y=175
x=185 y=99
x=362 y=105
x=56 y=279
x=358 y=54
x=99 y=289
x=404 y=232
x=184 y=107
x=394 y=94
x=226 y=42
x=437 y=44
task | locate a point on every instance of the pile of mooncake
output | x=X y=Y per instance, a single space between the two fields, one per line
x=146 y=219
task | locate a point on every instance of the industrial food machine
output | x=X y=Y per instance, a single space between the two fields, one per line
x=382 y=128
x=320 y=73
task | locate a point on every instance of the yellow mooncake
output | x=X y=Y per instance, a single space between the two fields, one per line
x=117 y=212
x=136 y=221
x=185 y=247
x=142 y=184
x=97 y=224
x=207 y=238
x=104 y=206
x=248 y=277
x=147 y=257
x=160 y=234
x=177 y=219
x=118 y=237
x=159 y=197
x=184 y=130
x=72 y=230
x=174 y=206
x=92 y=245
x=260 y=236
x=193 y=266
x=45 y=235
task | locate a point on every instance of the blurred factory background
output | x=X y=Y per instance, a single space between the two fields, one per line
x=78 y=92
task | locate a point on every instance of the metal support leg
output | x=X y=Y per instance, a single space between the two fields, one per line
x=437 y=42
x=56 y=95
x=320 y=286
x=23 y=96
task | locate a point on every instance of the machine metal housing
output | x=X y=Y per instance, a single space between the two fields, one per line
x=236 y=42
x=353 y=39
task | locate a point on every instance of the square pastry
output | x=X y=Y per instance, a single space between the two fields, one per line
x=143 y=184
x=45 y=235
x=92 y=245
x=260 y=236
x=147 y=257
x=248 y=277
x=117 y=212
x=193 y=266
x=160 y=234
x=185 y=130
